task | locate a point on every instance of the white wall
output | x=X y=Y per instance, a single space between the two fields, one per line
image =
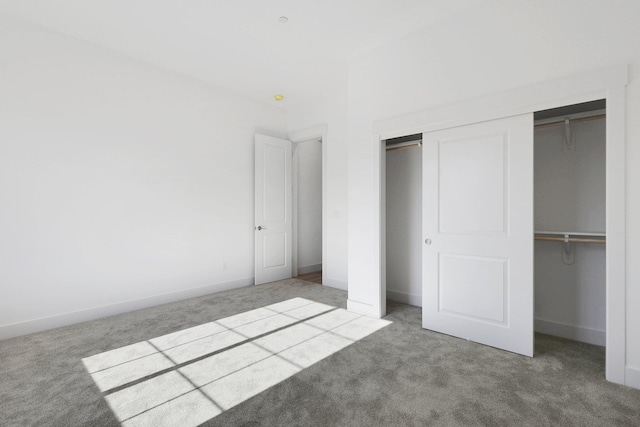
x=570 y=196
x=309 y=155
x=404 y=225
x=119 y=182
x=493 y=47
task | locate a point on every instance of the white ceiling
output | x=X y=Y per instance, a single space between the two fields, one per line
x=240 y=44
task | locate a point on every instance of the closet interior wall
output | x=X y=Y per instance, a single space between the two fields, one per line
x=309 y=189
x=404 y=222
x=570 y=197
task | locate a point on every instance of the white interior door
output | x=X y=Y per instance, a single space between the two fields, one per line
x=478 y=233
x=273 y=224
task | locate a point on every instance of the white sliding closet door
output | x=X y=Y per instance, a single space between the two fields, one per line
x=478 y=231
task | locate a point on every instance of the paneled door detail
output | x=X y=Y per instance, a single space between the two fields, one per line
x=478 y=233
x=273 y=224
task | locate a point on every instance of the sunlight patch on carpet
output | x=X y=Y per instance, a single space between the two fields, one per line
x=190 y=376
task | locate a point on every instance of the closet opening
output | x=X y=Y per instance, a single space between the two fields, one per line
x=478 y=184
x=570 y=221
x=307 y=210
x=403 y=212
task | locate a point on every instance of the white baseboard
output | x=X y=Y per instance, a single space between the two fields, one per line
x=572 y=332
x=632 y=377
x=65 y=319
x=364 y=309
x=334 y=283
x=411 y=299
x=309 y=269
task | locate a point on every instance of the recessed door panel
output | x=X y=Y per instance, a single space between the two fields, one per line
x=274 y=183
x=474 y=287
x=274 y=250
x=472 y=184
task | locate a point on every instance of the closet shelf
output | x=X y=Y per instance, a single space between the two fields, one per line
x=570 y=237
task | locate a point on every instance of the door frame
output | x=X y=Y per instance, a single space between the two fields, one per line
x=297 y=137
x=608 y=83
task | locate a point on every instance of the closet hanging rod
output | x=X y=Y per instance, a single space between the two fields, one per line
x=571 y=233
x=416 y=144
x=570 y=237
x=569 y=240
x=561 y=122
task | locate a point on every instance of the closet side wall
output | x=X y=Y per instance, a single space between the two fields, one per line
x=404 y=225
x=309 y=206
x=570 y=196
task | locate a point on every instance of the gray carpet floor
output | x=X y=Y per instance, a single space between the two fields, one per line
x=400 y=375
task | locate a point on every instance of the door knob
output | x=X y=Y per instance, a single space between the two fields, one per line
x=261 y=228
x=427 y=241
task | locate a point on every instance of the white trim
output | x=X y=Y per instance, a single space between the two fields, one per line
x=71 y=318
x=406 y=298
x=572 y=332
x=334 y=283
x=382 y=220
x=616 y=254
x=610 y=84
x=633 y=377
x=294 y=210
x=309 y=269
x=543 y=96
x=364 y=309
x=303 y=135
x=319 y=131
